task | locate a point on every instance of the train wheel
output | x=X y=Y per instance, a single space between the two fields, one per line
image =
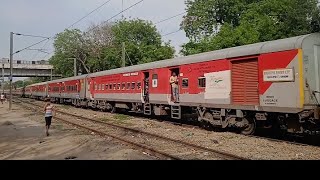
x=250 y=128
x=114 y=109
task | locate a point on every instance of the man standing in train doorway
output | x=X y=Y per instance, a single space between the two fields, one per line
x=174 y=88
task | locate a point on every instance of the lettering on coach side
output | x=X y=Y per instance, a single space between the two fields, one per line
x=278 y=75
x=131 y=74
x=270 y=100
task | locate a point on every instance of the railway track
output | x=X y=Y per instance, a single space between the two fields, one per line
x=253 y=136
x=154 y=144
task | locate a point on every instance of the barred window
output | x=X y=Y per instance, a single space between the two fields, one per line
x=185 y=83
x=202 y=82
x=139 y=85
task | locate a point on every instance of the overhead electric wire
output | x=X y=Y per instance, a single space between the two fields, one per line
x=30 y=46
x=105 y=3
x=112 y=17
x=33 y=58
x=164 y=20
x=119 y=13
x=27 y=35
x=171 y=33
x=89 y=14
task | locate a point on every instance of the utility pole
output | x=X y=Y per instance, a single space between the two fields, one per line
x=51 y=74
x=11 y=64
x=2 y=82
x=123 y=54
x=75 y=66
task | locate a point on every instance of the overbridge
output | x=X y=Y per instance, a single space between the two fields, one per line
x=22 y=68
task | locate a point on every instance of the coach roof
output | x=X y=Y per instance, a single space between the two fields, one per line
x=37 y=84
x=246 y=50
x=68 y=79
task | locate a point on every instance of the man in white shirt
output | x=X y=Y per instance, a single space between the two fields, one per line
x=174 y=87
x=2 y=98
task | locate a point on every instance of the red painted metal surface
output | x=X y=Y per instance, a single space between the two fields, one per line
x=245 y=89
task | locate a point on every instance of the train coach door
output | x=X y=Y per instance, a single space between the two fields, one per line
x=317 y=71
x=245 y=82
x=174 y=92
x=146 y=87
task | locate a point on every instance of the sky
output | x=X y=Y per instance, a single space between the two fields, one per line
x=49 y=17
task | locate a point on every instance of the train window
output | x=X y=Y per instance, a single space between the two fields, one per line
x=139 y=85
x=128 y=85
x=114 y=86
x=110 y=86
x=123 y=86
x=102 y=87
x=119 y=86
x=154 y=76
x=202 y=82
x=155 y=80
x=185 y=83
x=107 y=86
x=133 y=85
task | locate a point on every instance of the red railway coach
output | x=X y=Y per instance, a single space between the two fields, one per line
x=27 y=91
x=68 y=90
x=274 y=83
x=39 y=90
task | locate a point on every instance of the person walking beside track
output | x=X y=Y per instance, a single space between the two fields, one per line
x=49 y=111
x=2 y=98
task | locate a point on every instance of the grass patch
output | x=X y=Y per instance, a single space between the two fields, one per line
x=104 y=119
x=64 y=107
x=121 y=117
x=59 y=127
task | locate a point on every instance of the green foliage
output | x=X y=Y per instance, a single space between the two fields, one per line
x=217 y=24
x=23 y=83
x=100 y=48
x=143 y=42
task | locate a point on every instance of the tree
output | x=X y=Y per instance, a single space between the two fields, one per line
x=100 y=48
x=142 y=42
x=70 y=44
x=217 y=24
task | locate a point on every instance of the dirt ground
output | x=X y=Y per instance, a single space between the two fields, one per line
x=22 y=137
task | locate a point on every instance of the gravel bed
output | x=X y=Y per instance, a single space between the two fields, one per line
x=243 y=146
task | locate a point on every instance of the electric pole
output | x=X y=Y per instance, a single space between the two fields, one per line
x=75 y=66
x=123 y=54
x=2 y=82
x=51 y=74
x=11 y=64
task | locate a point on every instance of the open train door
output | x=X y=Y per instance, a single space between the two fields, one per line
x=170 y=93
x=145 y=87
x=89 y=90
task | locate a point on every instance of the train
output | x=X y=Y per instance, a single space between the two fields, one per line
x=273 y=84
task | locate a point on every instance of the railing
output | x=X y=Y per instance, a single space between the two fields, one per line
x=42 y=62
